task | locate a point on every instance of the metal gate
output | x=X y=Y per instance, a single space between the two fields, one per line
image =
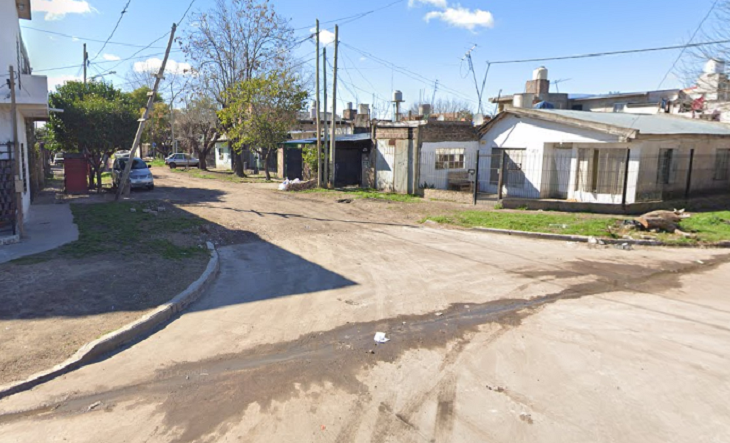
x=7 y=191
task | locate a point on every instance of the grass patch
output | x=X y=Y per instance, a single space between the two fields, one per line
x=368 y=193
x=158 y=163
x=112 y=228
x=568 y=224
x=708 y=228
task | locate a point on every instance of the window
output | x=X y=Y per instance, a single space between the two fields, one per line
x=666 y=167
x=577 y=107
x=601 y=171
x=619 y=107
x=722 y=164
x=449 y=159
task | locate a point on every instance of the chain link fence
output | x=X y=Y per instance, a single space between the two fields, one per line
x=594 y=175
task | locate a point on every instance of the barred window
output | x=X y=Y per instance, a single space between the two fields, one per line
x=666 y=167
x=601 y=171
x=449 y=159
x=722 y=164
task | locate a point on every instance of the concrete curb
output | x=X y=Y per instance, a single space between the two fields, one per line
x=93 y=350
x=584 y=239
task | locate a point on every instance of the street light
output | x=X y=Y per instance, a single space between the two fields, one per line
x=102 y=75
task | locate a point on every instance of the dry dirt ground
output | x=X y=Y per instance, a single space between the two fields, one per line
x=53 y=303
x=493 y=338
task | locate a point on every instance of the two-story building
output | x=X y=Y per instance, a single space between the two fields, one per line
x=20 y=106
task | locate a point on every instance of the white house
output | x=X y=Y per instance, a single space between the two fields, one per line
x=602 y=157
x=31 y=95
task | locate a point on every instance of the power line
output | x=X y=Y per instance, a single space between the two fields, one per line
x=87 y=39
x=352 y=18
x=121 y=16
x=186 y=13
x=408 y=73
x=105 y=61
x=603 y=54
x=684 y=49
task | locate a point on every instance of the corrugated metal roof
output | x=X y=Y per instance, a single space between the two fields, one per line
x=338 y=138
x=645 y=123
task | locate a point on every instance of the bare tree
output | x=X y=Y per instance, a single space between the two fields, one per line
x=233 y=42
x=198 y=127
x=450 y=108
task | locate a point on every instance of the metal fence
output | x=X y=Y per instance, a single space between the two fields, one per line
x=7 y=190
x=595 y=175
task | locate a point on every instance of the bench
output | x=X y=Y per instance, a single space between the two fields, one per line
x=459 y=181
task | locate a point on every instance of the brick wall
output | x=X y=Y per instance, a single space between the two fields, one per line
x=448 y=131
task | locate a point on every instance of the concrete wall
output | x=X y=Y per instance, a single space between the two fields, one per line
x=222 y=156
x=439 y=178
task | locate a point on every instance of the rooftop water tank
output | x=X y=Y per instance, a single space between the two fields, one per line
x=424 y=109
x=363 y=109
x=540 y=73
x=397 y=96
x=714 y=66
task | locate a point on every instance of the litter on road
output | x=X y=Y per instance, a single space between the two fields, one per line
x=380 y=337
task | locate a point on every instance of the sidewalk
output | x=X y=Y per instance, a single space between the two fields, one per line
x=50 y=226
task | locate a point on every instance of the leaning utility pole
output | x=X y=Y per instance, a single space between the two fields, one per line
x=172 y=118
x=86 y=58
x=316 y=110
x=326 y=156
x=18 y=157
x=334 y=111
x=123 y=185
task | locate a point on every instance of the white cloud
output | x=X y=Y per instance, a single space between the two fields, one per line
x=57 y=9
x=55 y=82
x=362 y=59
x=461 y=17
x=152 y=65
x=326 y=38
x=437 y=3
x=111 y=57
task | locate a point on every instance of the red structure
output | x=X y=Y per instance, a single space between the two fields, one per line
x=76 y=173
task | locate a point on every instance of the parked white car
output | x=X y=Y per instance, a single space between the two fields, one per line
x=180 y=159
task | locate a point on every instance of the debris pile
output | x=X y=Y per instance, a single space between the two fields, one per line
x=297 y=185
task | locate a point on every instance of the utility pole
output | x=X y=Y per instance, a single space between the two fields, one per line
x=467 y=56
x=316 y=110
x=17 y=154
x=86 y=59
x=334 y=111
x=326 y=156
x=123 y=185
x=172 y=118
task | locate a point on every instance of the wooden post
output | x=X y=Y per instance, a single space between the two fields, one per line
x=86 y=57
x=502 y=169
x=326 y=133
x=316 y=110
x=123 y=185
x=688 y=188
x=333 y=152
x=17 y=156
x=476 y=179
x=626 y=178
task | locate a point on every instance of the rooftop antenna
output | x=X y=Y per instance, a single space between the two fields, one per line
x=558 y=82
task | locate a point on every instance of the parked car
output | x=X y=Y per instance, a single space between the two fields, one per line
x=175 y=160
x=140 y=175
x=121 y=154
x=58 y=158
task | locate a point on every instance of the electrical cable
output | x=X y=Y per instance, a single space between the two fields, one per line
x=121 y=16
x=352 y=18
x=86 y=39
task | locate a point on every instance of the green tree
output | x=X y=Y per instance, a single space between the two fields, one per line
x=262 y=110
x=97 y=119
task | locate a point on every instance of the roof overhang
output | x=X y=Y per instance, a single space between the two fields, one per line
x=23 y=7
x=623 y=133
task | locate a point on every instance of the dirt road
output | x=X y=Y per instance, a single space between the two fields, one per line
x=492 y=338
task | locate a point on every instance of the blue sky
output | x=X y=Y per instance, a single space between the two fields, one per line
x=427 y=37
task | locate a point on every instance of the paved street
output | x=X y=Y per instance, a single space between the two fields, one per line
x=492 y=338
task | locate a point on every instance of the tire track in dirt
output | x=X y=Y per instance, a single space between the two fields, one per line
x=199 y=398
